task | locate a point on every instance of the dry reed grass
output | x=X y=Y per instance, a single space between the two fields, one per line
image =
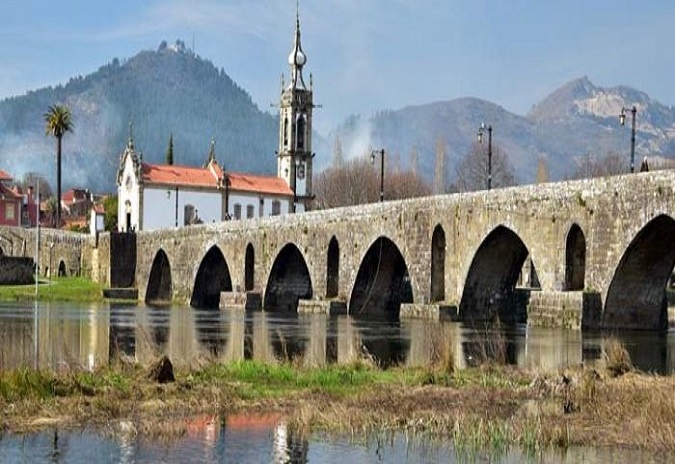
x=487 y=407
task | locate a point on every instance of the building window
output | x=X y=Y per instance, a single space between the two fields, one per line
x=9 y=211
x=276 y=208
x=250 y=211
x=237 y=211
x=261 y=211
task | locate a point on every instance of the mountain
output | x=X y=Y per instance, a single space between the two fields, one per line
x=163 y=92
x=575 y=121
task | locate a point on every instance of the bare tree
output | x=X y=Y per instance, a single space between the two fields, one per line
x=358 y=182
x=31 y=179
x=355 y=182
x=414 y=160
x=472 y=169
x=338 y=157
x=589 y=166
x=407 y=184
x=542 y=171
x=439 y=168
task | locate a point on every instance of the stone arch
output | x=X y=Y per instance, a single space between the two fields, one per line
x=636 y=297
x=333 y=268
x=438 y=264
x=575 y=259
x=2 y=252
x=382 y=282
x=289 y=281
x=159 y=289
x=212 y=278
x=489 y=288
x=62 y=271
x=249 y=268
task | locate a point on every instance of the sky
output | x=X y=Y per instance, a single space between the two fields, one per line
x=365 y=55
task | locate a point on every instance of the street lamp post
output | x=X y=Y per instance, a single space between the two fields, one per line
x=622 y=120
x=373 y=153
x=481 y=132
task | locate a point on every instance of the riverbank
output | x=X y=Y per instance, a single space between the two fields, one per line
x=57 y=289
x=487 y=407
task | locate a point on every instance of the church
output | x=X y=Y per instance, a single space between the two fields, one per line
x=154 y=196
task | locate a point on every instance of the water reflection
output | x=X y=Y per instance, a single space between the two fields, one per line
x=268 y=439
x=62 y=335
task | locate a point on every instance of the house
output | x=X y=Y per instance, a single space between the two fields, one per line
x=76 y=203
x=153 y=196
x=11 y=202
x=96 y=219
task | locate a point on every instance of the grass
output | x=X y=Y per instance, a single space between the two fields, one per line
x=58 y=289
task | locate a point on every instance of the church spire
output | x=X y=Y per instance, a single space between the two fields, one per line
x=212 y=153
x=297 y=59
x=130 y=143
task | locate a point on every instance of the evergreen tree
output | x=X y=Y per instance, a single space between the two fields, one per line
x=169 y=151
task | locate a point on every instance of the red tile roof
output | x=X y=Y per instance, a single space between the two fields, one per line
x=9 y=193
x=165 y=174
x=262 y=184
x=73 y=195
x=4 y=176
x=178 y=175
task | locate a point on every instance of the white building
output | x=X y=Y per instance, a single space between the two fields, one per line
x=153 y=196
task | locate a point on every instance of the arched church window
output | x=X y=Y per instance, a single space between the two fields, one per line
x=285 y=130
x=300 y=128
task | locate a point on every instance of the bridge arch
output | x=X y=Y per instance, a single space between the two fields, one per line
x=636 y=296
x=212 y=278
x=249 y=268
x=62 y=271
x=492 y=277
x=438 y=264
x=288 y=282
x=159 y=289
x=382 y=282
x=333 y=268
x=575 y=259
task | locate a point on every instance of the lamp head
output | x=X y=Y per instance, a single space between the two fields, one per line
x=622 y=117
x=481 y=131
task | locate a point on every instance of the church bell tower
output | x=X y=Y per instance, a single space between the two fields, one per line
x=294 y=157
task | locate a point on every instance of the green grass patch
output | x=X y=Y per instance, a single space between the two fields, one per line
x=257 y=379
x=58 y=289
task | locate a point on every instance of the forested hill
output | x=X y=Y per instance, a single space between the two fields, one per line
x=166 y=92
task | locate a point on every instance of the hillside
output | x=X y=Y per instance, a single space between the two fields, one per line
x=576 y=120
x=167 y=91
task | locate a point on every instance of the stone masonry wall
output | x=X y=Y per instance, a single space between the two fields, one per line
x=610 y=212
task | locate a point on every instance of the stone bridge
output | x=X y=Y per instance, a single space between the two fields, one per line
x=592 y=253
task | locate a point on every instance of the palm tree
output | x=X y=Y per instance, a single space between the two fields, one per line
x=58 y=121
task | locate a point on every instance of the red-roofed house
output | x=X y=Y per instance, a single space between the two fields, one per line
x=153 y=196
x=10 y=202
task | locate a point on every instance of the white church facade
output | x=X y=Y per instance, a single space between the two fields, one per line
x=154 y=196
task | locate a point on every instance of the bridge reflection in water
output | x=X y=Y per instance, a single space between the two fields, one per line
x=63 y=335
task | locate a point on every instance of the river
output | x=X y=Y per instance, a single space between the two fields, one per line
x=90 y=335
x=63 y=335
